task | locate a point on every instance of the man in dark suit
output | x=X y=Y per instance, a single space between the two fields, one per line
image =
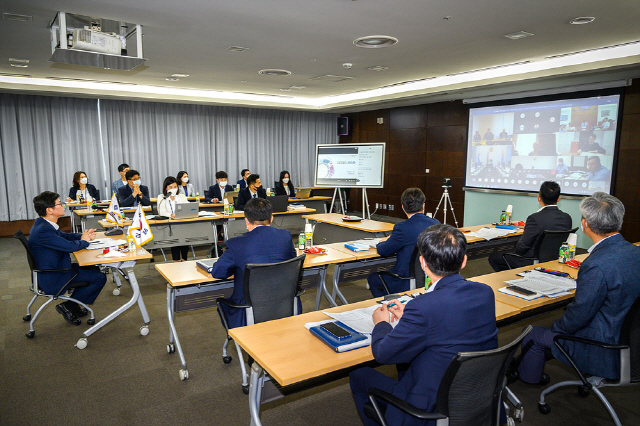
x=51 y=248
x=133 y=193
x=254 y=189
x=548 y=218
x=262 y=244
x=216 y=192
x=607 y=286
x=455 y=315
x=245 y=173
x=590 y=146
x=401 y=242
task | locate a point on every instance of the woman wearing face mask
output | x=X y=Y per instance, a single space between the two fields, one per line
x=82 y=190
x=284 y=186
x=184 y=187
x=167 y=207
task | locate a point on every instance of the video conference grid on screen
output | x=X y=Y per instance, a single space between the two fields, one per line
x=350 y=165
x=517 y=147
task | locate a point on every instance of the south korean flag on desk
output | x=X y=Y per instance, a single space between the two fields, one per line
x=139 y=229
x=114 y=209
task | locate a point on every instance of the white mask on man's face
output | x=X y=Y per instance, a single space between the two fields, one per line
x=223 y=183
x=173 y=191
x=84 y=180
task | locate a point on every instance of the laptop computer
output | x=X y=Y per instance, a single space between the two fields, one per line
x=303 y=193
x=187 y=210
x=279 y=203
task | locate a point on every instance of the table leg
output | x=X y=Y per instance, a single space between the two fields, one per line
x=255 y=393
x=336 y=289
x=73 y=219
x=173 y=333
x=215 y=237
x=136 y=297
x=83 y=223
x=322 y=289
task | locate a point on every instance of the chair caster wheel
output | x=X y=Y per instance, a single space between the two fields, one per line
x=26 y=317
x=82 y=343
x=144 y=330
x=116 y=292
x=245 y=389
x=184 y=375
x=91 y=321
x=544 y=379
x=227 y=359
x=510 y=421
x=583 y=391
x=31 y=334
x=544 y=408
x=171 y=348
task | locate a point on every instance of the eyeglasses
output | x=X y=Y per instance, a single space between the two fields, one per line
x=56 y=205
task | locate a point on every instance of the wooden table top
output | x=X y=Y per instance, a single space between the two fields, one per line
x=187 y=273
x=95 y=257
x=497 y=280
x=365 y=225
x=475 y=228
x=291 y=354
x=359 y=255
x=76 y=205
x=86 y=212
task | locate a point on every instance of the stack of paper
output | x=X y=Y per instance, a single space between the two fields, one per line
x=491 y=233
x=103 y=243
x=545 y=284
x=207 y=214
x=371 y=242
x=296 y=207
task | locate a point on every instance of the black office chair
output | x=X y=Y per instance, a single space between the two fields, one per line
x=271 y=292
x=470 y=392
x=629 y=348
x=416 y=274
x=547 y=248
x=38 y=292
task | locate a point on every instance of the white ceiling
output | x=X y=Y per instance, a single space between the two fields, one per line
x=313 y=38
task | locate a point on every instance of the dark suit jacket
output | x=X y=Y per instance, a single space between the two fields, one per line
x=245 y=195
x=584 y=146
x=125 y=195
x=458 y=316
x=95 y=194
x=263 y=244
x=550 y=218
x=214 y=192
x=608 y=284
x=401 y=242
x=51 y=249
x=281 y=191
x=242 y=183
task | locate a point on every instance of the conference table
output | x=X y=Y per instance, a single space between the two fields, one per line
x=330 y=228
x=480 y=247
x=191 y=288
x=89 y=219
x=74 y=205
x=123 y=264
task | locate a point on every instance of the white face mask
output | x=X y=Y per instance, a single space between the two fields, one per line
x=185 y=179
x=223 y=183
x=173 y=191
x=84 y=180
x=137 y=182
x=285 y=180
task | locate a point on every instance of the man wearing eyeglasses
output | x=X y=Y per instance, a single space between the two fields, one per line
x=51 y=248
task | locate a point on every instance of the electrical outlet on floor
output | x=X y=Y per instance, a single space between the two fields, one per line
x=390 y=207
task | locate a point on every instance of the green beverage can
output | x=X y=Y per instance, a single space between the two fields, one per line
x=302 y=241
x=563 y=256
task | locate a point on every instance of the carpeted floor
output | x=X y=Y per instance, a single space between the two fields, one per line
x=123 y=378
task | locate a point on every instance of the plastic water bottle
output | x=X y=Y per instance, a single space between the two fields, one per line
x=225 y=208
x=302 y=241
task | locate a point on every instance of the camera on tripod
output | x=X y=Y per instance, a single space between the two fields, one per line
x=446 y=183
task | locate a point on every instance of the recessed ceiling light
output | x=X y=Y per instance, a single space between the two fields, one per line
x=16 y=17
x=180 y=75
x=237 y=48
x=243 y=81
x=20 y=65
x=19 y=61
x=274 y=72
x=375 y=41
x=446 y=18
x=172 y=79
x=378 y=68
x=518 y=35
x=582 y=20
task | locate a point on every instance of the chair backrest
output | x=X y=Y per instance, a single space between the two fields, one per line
x=272 y=287
x=549 y=243
x=471 y=388
x=630 y=336
x=415 y=269
x=32 y=260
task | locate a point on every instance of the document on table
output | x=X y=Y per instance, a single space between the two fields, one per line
x=360 y=319
x=207 y=214
x=371 y=242
x=546 y=284
x=102 y=243
x=491 y=233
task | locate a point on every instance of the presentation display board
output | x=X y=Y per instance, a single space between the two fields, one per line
x=570 y=141
x=350 y=165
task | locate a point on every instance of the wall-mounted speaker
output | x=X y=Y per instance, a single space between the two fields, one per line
x=343 y=126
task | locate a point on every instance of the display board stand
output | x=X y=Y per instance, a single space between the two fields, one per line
x=366 y=214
